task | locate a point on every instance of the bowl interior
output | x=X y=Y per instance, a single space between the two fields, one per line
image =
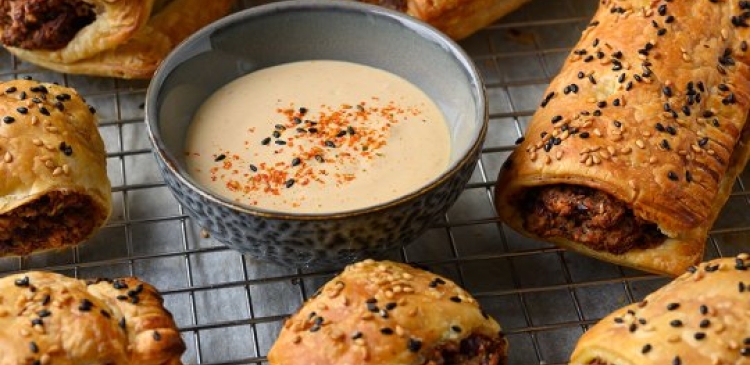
x=305 y=30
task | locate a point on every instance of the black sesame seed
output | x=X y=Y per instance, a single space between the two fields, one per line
x=279 y=142
x=673 y=306
x=619 y=320
x=676 y=361
x=217 y=159
x=46 y=299
x=617 y=123
x=33 y=347
x=646 y=348
x=413 y=345
x=745 y=351
x=122 y=323
x=711 y=268
x=10 y=90
x=22 y=96
x=319 y=158
x=351 y=130
x=265 y=141
x=276 y=134
x=85 y=305
x=705 y=323
x=602 y=104
x=296 y=161
x=746 y=341
x=703 y=142
x=616 y=102
x=92 y=110
x=688 y=176
x=22 y=110
x=667 y=91
x=391 y=306
x=386 y=331
x=456 y=328
x=372 y=307
x=592 y=79
x=661 y=32
x=157 y=336
x=633 y=327
x=671 y=130
x=676 y=323
x=253 y=168
x=686 y=110
x=23 y=282
x=312 y=130
x=105 y=313
x=703 y=309
x=122 y=297
x=597 y=113
x=699 y=336
x=584 y=135
x=289 y=183
x=357 y=335
x=8 y=119
x=37 y=322
x=581 y=74
x=330 y=144
x=659 y=127
x=44 y=313
x=455 y=299
x=556 y=119
x=673 y=176
x=44 y=111
x=665 y=144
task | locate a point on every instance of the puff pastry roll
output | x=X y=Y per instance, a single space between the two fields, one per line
x=48 y=318
x=54 y=189
x=456 y=18
x=118 y=38
x=382 y=312
x=698 y=319
x=639 y=138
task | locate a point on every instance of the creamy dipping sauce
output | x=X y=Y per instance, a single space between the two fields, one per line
x=317 y=137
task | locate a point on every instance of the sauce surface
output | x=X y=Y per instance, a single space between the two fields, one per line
x=317 y=137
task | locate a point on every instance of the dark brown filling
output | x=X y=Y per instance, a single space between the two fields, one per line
x=52 y=221
x=598 y=361
x=473 y=350
x=588 y=216
x=43 y=24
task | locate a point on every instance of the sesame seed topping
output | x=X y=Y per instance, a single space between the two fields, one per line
x=157 y=336
x=23 y=282
x=386 y=331
x=672 y=176
x=85 y=305
x=455 y=299
x=413 y=345
x=646 y=348
x=676 y=323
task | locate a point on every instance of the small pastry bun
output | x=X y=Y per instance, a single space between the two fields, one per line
x=389 y=313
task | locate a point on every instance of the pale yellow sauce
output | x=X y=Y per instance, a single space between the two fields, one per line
x=385 y=137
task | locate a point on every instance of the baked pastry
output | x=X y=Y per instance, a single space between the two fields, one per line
x=639 y=138
x=389 y=313
x=54 y=190
x=48 y=318
x=456 y=18
x=118 y=38
x=699 y=318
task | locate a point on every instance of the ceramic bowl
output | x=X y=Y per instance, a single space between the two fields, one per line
x=290 y=31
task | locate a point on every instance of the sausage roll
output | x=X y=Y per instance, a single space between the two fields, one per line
x=48 y=318
x=639 y=138
x=699 y=318
x=456 y=18
x=54 y=190
x=118 y=38
x=389 y=313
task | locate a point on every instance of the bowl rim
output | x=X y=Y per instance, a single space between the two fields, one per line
x=416 y=25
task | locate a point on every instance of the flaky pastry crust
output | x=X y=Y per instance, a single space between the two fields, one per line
x=651 y=108
x=699 y=318
x=456 y=18
x=381 y=312
x=52 y=157
x=128 y=39
x=48 y=318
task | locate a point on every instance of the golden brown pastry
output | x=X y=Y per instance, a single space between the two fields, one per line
x=47 y=318
x=639 y=138
x=698 y=319
x=118 y=38
x=456 y=18
x=381 y=312
x=54 y=189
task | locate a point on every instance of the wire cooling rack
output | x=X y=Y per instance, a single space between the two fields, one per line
x=230 y=307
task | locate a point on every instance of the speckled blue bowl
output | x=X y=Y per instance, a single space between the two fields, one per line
x=303 y=30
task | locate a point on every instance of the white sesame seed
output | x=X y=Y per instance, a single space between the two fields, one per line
x=8 y=158
x=640 y=144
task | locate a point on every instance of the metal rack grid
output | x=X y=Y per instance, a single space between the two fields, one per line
x=230 y=307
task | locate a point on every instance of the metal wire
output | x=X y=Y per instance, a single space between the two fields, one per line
x=230 y=307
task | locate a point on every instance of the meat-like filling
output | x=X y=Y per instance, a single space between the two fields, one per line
x=473 y=350
x=43 y=24
x=52 y=221
x=597 y=361
x=587 y=216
